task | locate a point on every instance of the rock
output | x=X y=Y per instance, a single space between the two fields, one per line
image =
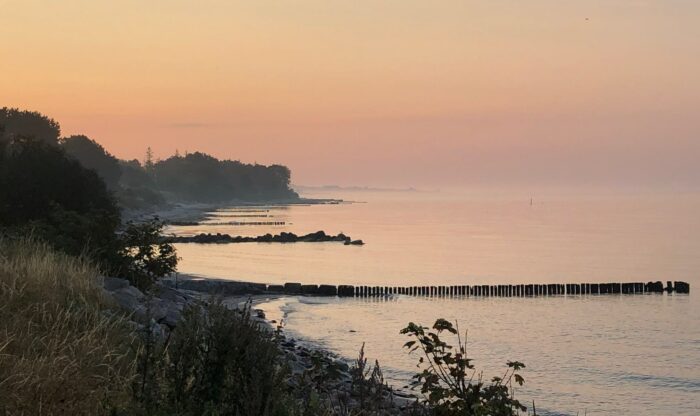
x=682 y=287
x=656 y=287
x=113 y=283
x=284 y=237
x=219 y=287
x=172 y=318
x=354 y=243
x=128 y=298
x=170 y=294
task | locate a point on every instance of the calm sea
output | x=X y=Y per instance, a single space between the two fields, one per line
x=613 y=355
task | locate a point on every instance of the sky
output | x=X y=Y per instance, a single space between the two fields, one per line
x=380 y=93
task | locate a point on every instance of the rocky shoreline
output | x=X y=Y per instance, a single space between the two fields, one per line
x=161 y=308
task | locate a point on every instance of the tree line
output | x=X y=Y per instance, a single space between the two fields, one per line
x=194 y=177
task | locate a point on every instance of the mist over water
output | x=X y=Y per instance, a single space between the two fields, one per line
x=599 y=354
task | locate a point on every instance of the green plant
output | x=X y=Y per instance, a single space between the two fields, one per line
x=368 y=383
x=449 y=381
x=142 y=256
x=216 y=362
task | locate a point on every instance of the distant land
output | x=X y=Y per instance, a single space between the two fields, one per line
x=308 y=188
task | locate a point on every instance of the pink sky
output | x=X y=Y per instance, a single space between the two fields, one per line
x=386 y=93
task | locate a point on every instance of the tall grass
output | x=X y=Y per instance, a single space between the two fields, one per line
x=61 y=350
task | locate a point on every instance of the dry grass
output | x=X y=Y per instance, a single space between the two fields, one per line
x=61 y=352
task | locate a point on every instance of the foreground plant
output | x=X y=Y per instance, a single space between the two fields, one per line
x=62 y=351
x=449 y=381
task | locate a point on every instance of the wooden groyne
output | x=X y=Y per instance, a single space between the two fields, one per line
x=227 y=287
x=521 y=290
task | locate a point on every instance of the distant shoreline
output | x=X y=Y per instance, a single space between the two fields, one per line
x=196 y=211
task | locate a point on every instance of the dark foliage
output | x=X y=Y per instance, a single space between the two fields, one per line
x=368 y=383
x=217 y=362
x=93 y=156
x=30 y=124
x=142 y=256
x=138 y=190
x=449 y=381
x=200 y=177
x=45 y=192
x=51 y=196
x=134 y=175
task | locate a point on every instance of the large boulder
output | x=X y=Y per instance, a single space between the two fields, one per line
x=128 y=298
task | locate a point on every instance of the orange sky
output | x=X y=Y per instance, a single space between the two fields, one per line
x=400 y=92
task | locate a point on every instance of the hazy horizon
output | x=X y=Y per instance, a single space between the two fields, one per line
x=392 y=94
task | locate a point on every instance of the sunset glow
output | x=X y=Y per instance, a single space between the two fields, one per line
x=389 y=93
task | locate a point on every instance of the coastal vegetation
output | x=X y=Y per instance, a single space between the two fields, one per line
x=192 y=177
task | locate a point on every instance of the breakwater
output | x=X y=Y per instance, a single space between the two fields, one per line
x=284 y=237
x=226 y=287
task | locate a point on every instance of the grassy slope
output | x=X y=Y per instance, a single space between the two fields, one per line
x=61 y=352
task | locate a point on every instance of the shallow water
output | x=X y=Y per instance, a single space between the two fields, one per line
x=629 y=354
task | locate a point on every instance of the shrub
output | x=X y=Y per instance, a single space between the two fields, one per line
x=368 y=383
x=141 y=255
x=217 y=362
x=449 y=381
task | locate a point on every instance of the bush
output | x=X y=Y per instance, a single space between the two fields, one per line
x=449 y=381
x=61 y=352
x=217 y=362
x=141 y=255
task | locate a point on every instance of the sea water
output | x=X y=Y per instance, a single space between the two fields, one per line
x=621 y=354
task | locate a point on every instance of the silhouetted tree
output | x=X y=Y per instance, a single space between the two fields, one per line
x=93 y=156
x=148 y=160
x=200 y=177
x=28 y=124
x=51 y=195
x=138 y=189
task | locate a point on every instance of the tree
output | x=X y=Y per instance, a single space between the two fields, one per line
x=148 y=160
x=51 y=195
x=93 y=156
x=201 y=177
x=28 y=124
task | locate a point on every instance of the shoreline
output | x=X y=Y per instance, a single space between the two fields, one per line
x=196 y=211
x=161 y=308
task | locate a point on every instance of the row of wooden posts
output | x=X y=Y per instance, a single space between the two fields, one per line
x=521 y=290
